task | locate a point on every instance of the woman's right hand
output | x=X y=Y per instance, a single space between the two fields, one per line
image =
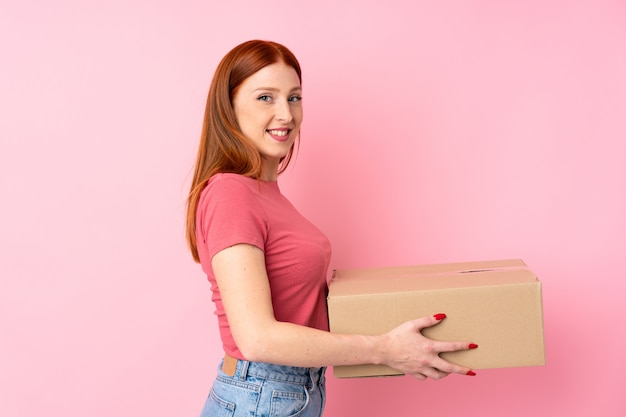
x=411 y=353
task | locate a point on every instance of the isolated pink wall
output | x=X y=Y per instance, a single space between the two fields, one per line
x=434 y=132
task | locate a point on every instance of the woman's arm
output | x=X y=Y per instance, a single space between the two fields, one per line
x=242 y=279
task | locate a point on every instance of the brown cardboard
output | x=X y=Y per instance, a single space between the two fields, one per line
x=495 y=304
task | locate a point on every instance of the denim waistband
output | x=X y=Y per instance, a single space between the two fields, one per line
x=282 y=373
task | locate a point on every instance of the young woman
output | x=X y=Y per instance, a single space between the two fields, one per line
x=267 y=264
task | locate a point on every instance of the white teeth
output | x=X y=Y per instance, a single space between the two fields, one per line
x=278 y=132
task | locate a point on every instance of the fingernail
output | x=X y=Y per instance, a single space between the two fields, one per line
x=473 y=346
x=471 y=373
x=439 y=316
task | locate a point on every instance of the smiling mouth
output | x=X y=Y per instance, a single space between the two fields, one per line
x=282 y=132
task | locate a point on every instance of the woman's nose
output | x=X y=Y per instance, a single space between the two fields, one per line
x=283 y=112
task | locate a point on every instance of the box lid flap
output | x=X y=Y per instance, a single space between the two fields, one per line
x=429 y=277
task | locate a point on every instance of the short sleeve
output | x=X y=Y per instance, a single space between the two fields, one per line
x=229 y=214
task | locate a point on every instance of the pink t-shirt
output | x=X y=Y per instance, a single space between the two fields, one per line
x=236 y=209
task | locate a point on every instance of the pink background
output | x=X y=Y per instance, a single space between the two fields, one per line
x=434 y=132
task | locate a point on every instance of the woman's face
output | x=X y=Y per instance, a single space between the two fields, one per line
x=268 y=108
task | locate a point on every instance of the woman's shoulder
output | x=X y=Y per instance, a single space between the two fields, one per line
x=230 y=177
x=228 y=184
x=241 y=188
x=230 y=180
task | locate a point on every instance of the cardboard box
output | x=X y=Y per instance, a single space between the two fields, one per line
x=496 y=304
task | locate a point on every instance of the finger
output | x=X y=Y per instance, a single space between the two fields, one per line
x=419 y=377
x=451 y=368
x=435 y=373
x=455 y=346
x=432 y=373
x=428 y=321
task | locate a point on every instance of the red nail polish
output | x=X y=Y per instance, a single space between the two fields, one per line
x=473 y=345
x=471 y=373
x=439 y=316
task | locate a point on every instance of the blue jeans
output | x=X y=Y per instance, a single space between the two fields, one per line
x=266 y=390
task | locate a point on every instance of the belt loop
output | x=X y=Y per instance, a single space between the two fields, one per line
x=243 y=371
x=314 y=376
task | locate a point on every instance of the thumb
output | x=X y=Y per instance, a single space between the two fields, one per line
x=429 y=321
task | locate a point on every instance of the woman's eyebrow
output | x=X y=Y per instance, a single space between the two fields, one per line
x=274 y=89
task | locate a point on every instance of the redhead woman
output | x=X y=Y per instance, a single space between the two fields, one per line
x=266 y=263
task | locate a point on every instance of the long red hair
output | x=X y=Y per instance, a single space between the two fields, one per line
x=223 y=148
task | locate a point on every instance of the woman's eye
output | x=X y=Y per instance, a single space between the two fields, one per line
x=264 y=98
x=295 y=99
